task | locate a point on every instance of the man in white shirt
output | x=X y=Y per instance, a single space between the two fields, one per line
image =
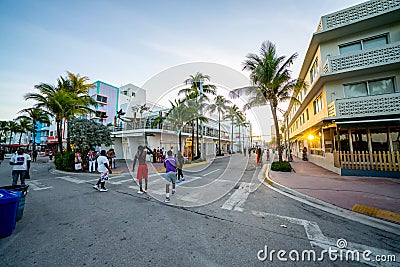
x=104 y=170
x=21 y=163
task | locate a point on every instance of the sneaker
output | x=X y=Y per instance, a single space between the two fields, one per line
x=103 y=190
x=145 y=191
x=167 y=200
x=182 y=179
x=173 y=191
x=140 y=191
x=96 y=187
x=177 y=181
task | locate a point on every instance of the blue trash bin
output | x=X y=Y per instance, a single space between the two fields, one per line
x=9 y=201
x=21 y=205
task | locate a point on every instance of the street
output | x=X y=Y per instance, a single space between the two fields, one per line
x=220 y=216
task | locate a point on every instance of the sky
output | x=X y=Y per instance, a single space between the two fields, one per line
x=123 y=41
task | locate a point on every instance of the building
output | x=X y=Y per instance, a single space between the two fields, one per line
x=349 y=116
x=107 y=97
x=138 y=128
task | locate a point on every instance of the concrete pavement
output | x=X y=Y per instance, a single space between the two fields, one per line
x=378 y=197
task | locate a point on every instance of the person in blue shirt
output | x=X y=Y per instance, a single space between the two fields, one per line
x=170 y=164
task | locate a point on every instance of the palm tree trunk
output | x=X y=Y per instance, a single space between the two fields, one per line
x=278 y=138
x=59 y=137
x=192 y=148
x=197 y=139
x=219 y=132
x=20 y=138
x=232 y=139
x=180 y=140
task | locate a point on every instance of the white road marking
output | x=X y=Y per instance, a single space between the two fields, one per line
x=70 y=179
x=120 y=182
x=210 y=172
x=317 y=238
x=37 y=186
x=237 y=199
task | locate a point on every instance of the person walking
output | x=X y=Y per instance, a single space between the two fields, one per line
x=260 y=153
x=92 y=160
x=2 y=152
x=21 y=164
x=179 y=167
x=34 y=155
x=78 y=161
x=170 y=164
x=104 y=170
x=111 y=158
x=143 y=171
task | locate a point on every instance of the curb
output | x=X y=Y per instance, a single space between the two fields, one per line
x=328 y=207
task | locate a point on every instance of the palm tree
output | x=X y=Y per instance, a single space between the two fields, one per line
x=34 y=115
x=272 y=83
x=3 y=130
x=199 y=92
x=233 y=113
x=63 y=101
x=24 y=126
x=12 y=127
x=220 y=105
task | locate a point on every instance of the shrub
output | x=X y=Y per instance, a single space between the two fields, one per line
x=283 y=166
x=65 y=162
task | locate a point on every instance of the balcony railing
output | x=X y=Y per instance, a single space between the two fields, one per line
x=363 y=59
x=377 y=105
x=147 y=124
x=357 y=13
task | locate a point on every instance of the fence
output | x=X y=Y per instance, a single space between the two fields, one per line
x=379 y=161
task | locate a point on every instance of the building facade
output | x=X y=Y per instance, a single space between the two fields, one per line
x=349 y=116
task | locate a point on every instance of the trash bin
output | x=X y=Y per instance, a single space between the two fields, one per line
x=21 y=205
x=8 y=211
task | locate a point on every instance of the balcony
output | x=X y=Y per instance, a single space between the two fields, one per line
x=356 y=14
x=364 y=59
x=367 y=106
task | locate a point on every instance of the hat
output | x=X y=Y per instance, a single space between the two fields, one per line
x=103 y=152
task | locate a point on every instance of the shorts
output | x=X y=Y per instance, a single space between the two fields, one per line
x=142 y=172
x=104 y=176
x=170 y=177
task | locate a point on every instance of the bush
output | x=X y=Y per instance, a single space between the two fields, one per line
x=65 y=162
x=283 y=166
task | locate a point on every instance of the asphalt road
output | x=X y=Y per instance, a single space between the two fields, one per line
x=67 y=223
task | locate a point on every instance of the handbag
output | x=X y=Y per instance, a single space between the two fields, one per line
x=78 y=166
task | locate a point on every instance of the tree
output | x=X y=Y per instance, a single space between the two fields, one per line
x=272 y=83
x=84 y=133
x=34 y=115
x=12 y=127
x=24 y=126
x=68 y=98
x=233 y=113
x=3 y=130
x=199 y=92
x=219 y=105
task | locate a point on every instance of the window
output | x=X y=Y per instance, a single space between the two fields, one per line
x=318 y=104
x=100 y=98
x=395 y=134
x=363 y=44
x=360 y=140
x=374 y=87
x=314 y=71
x=308 y=115
x=379 y=139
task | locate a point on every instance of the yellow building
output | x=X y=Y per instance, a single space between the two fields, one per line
x=349 y=116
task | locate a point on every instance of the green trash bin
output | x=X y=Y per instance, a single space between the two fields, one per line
x=21 y=205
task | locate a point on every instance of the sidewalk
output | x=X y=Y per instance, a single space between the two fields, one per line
x=342 y=191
